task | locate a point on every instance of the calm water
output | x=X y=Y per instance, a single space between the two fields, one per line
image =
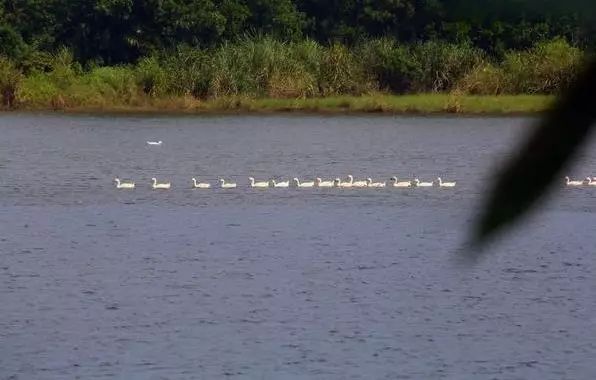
x=281 y=284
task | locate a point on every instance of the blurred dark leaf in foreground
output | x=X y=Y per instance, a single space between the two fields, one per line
x=557 y=138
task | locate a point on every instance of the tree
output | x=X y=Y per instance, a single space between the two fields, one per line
x=11 y=43
x=279 y=18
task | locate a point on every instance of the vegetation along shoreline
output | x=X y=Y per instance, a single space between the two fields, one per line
x=423 y=104
x=262 y=74
x=204 y=56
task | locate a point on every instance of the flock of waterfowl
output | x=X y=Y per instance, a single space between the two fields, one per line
x=588 y=181
x=320 y=183
x=296 y=183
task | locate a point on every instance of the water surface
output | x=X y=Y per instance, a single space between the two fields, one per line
x=281 y=284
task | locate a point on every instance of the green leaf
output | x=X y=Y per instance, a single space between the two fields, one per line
x=557 y=138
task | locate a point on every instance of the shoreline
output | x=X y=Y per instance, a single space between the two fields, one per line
x=379 y=104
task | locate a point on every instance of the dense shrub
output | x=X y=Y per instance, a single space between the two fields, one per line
x=10 y=78
x=440 y=65
x=265 y=67
x=188 y=72
x=116 y=82
x=484 y=79
x=546 y=68
x=342 y=73
x=64 y=69
x=38 y=90
x=151 y=76
x=390 y=64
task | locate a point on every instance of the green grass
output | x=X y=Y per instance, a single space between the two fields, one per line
x=405 y=104
x=506 y=104
x=378 y=103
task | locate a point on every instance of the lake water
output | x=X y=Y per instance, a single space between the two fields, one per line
x=283 y=283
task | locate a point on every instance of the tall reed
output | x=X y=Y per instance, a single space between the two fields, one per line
x=264 y=67
x=10 y=79
x=547 y=68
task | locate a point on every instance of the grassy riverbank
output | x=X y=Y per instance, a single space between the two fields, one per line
x=378 y=103
x=266 y=75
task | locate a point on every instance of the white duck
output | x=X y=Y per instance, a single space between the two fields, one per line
x=589 y=181
x=161 y=186
x=344 y=185
x=229 y=185
x=154 y=143
x=124 y=185
x=303 y=184
x=417 y=183
x=569 y=182
x=200 y=185
x=445 y=184
x=357 y=183
x=320 y=183
x=402 y=184
x=282 y=184
x=377 y=185
x=260 y=185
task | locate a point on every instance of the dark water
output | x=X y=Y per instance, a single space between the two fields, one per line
x=281 y=284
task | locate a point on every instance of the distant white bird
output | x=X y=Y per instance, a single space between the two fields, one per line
x=154 y=142
x=280 y=184
x=124 y=185
x=569 y=182
x=357 y=183
x=344 y=185
x=417 y=183
x=397 y=183
x=202 y=185
x=160 y=186
x=445 y=184
x=303 y=184
x=225 y=185
x=320 y=183
x=370 y=183
x=261 y=185
x=589 y=181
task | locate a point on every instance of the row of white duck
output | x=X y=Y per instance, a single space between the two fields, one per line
x=317 y=183
x=588 y=181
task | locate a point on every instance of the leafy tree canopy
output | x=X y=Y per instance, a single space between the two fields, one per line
x=114 y=31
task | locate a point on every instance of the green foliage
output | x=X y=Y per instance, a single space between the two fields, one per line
x=389 y=63
x=439 y=65
x=265 y=67
x=268 y=68
x=63 y=67
x=65 y=84
x=231 y=72
x=342 y=73
x=36 y=61
x=39 y=91
x=188 y=72
x=10 y=78
x=11 y=43
x=53 y=87
x=123 y=31
x=113 y=83
x=484 y=79
x=278 y=18
x=546 y=68
x=151 y=76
